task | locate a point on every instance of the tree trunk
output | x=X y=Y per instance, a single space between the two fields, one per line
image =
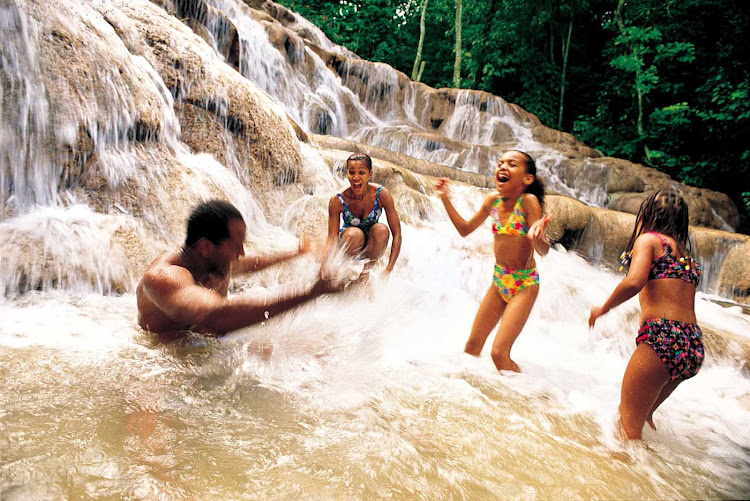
x=457 y=65
x=565 y=52
x=638 y=91
x=415 y=72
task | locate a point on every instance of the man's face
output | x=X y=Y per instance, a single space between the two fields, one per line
x=229 y=250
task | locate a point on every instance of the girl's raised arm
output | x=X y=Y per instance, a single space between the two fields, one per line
x=464 y=227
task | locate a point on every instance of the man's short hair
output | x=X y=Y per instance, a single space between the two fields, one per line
x=210 y=220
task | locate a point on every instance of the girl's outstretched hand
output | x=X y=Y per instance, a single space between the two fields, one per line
x=539 y=228
x=596 y=312
x=441 y=187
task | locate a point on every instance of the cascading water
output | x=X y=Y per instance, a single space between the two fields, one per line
x=360 y=395
x=362 y=105
x=24 y=164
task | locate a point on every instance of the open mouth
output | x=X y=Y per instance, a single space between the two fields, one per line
x=502 y=178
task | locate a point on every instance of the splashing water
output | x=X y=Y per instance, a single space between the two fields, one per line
x=364 y=394
x=361 y=395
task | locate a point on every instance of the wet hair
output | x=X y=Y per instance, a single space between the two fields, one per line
x=210 y=220
x=364 y=157
x=536 y=188
x=664 y=212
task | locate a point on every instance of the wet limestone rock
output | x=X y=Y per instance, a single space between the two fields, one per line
x=734 y=279
x=415 y=165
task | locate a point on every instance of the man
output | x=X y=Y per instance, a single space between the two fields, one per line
x=187 y=289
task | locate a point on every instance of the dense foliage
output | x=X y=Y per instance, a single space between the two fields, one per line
x=665 y=83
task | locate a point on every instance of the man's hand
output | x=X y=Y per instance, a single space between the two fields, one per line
x=323 y=286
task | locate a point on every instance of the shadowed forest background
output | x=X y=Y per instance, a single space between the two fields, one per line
x=662 y=83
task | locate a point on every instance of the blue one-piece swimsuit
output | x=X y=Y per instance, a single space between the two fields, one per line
x=363 y=224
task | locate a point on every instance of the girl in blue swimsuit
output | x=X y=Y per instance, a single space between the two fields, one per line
x=669 y=345
x=360 y=207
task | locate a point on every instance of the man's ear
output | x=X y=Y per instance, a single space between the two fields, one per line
x=205 y=247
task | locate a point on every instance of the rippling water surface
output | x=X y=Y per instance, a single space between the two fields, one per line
x=362 y=395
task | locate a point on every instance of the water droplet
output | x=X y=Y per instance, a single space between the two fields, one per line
x=266 y=314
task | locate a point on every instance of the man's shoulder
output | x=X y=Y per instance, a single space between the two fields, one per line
x=167 y=270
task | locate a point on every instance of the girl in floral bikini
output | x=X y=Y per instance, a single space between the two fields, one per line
x=519 y=229
x=669 y=343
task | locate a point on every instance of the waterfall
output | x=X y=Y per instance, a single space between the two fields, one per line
x=117 y=118
x=25 y=165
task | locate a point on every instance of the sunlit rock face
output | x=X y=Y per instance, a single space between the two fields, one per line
x=123 y=108
x=138 y=110
x=470 y=129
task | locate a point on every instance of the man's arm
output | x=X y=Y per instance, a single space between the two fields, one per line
x=246 y=264
x=173 y=290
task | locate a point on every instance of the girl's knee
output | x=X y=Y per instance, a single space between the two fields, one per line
x=380 y=230
x=501 y=348
x=379 y=235
x=353 y=239
x=503 y=362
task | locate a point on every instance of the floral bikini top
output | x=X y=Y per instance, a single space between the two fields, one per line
x=366 y=223
x=668 y=266
x=516 y=223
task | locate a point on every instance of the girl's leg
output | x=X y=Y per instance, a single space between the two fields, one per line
x=377 y=241
x=642 y=385
x=514 y=318
x=352 y=239
x=665 y=392
x=490 y=311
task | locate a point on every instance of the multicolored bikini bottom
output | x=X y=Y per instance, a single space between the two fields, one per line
x=678 y=344
x=510 y=281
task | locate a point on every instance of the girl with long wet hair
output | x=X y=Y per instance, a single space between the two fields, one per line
x=669 y=345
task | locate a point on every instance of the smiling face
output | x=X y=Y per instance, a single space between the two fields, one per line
x=511 y=177
x=358 y=175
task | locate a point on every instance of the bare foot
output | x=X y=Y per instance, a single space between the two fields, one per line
x=507 y=365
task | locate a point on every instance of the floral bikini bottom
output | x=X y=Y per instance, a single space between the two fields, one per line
x=678 y=344
x=510 y=281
